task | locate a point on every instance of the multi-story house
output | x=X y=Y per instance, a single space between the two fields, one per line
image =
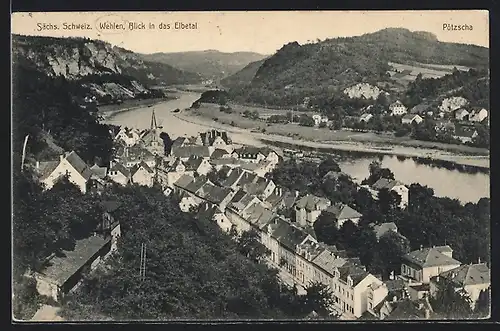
x=341 y=213
x=308 y=208
x=69 y=164
x=472 y=278
x=119 y=173
x=197 y=164
x=421 y=265
x=397 y=108
x=142 y=174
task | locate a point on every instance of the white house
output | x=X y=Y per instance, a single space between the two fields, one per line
x=142 y=174
x=318 y=119
x=130 y=137
x=118 y=173
x=421 y=265
x=411 y=118
x=461 y=114
x=397 y=108
x=365 y=117
x=472 y=278
x=392 y=185
x=69 y=164
x=478 y=115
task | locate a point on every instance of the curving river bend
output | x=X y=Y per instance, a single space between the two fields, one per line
x=451 y=183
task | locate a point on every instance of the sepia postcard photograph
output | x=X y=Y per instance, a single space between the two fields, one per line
x=250 y=166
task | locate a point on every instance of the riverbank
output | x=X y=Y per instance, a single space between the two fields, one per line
x=235 y=117
x=479 y=161
x=108 y=111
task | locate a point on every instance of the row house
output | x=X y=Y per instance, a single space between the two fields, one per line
x=212 y=212
x=421 y=265
x=186 y=151
x=70 y=164
x=472 y=279
x=262 y=187
x=281 y=199
x=237 y=206
x=197 y=164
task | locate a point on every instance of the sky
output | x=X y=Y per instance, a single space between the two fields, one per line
x=254 y=31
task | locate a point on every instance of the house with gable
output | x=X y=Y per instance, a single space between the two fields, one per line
x=133 y=155
x=281 y=199
x=262 y=187
x=217 y=140
x=411 y=118
x=129 y=137
x=391 y=185
x=233 y=178
x=249 y=154
x=98 y=178
x=69 y=164
x=397 y=108
x=186 y=151
x=471 y=278
x=308 y=209
x=478 y=114
x=197 y=164
x=240 y=202
x=119 y=173
x=212 y=212
x=341 y=212
x=142 y=174
x=421 y=265
x=219 y=153
x=365 y=117
x=461 y=114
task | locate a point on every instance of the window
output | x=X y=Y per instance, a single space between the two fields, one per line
x=370 y=305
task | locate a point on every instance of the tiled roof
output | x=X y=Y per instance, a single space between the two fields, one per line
x=142 y=164
x=257 y=187
x=248 y=152
x=196 y=184
x=431 y=257
x=135 y=153
x=257 y=215
x=184 y=181
x=99 y=172
x=213 y=194
x=79 y=165
x=329 y=262
x=311 y=202
x=461 y=111
x=60 y=269
x=233 y=177
x=288 y=235
x=193 y=163
x=383 y=228
x=189 y=150
x=386 y=183
x=470 y=274
x=244 y=202
x=120 y=168
x=247 y=178
x=178 y=142
x=353 y=269
x=343 y=212
x=46 y=168
x=410 y=116
x=218 y=153
x=409 y=310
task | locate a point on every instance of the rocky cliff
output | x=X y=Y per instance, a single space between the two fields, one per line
x=363 y=90
x=107 y=70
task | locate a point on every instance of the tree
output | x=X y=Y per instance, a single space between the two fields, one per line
x=327 y=165
x=249 y=245
x=392 y=247
x=451 y=302
x=483 y=304
x=319 y=298
x=388 y=201
x=326 y=229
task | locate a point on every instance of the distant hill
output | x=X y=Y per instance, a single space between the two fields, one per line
x=244 y=76
x=210 y=64
x=110 y=72
x=297 y=71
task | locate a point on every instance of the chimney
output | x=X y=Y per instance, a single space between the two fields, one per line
x=394 y=298
x=37 y=165
x=421 y=247
x=61 y=157
x=479 y=260
x=111 y=164
x=391 y=276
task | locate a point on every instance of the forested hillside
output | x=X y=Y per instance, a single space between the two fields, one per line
x=110 y=72
x=324 y=68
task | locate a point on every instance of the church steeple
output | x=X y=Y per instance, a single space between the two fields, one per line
x=154 y=126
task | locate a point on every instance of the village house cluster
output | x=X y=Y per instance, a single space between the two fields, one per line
x=453 y=114
x=244 y=199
